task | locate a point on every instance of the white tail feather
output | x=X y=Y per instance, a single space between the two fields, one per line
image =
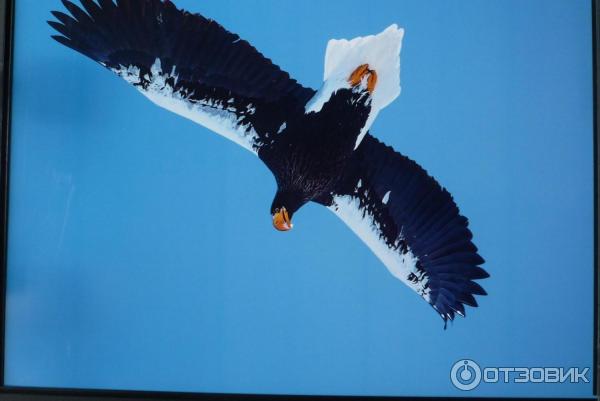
x=381 y=52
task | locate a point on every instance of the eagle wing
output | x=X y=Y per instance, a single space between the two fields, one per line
x=187 y=64
x=412 y=224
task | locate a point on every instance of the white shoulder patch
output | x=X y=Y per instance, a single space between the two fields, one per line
x=215 y=115
x=386 y=197
x=381 y=52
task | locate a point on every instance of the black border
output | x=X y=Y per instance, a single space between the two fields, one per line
x=59 y=394
x=6 y=45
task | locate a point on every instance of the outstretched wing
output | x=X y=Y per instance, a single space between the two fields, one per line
x=412 y=224
x=185 y=63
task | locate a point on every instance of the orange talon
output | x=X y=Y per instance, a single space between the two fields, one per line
x=357 y=76
x=372 y=81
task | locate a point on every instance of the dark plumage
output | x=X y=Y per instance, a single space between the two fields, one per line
x=303 y=167
x=191 y=65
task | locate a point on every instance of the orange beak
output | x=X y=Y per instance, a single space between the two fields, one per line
x=281 y=220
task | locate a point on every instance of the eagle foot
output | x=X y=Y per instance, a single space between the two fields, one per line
x=356 y=78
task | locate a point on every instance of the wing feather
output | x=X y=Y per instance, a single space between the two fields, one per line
x=185 y=63
x=412 y=224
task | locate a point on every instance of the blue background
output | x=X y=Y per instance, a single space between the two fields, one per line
x=141 y=252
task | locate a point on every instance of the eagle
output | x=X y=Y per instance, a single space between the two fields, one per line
x=316 y=143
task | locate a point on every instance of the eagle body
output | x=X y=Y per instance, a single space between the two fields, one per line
x=310 y=154
x=316 y=143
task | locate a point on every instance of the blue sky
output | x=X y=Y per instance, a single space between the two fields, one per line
x=141 y=252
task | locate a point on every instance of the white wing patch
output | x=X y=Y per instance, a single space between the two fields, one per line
x=359 y=220
x=215 y=115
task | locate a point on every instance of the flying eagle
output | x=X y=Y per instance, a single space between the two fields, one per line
x=316 y=143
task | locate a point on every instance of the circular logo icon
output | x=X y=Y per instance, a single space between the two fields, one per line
x=465 y=374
